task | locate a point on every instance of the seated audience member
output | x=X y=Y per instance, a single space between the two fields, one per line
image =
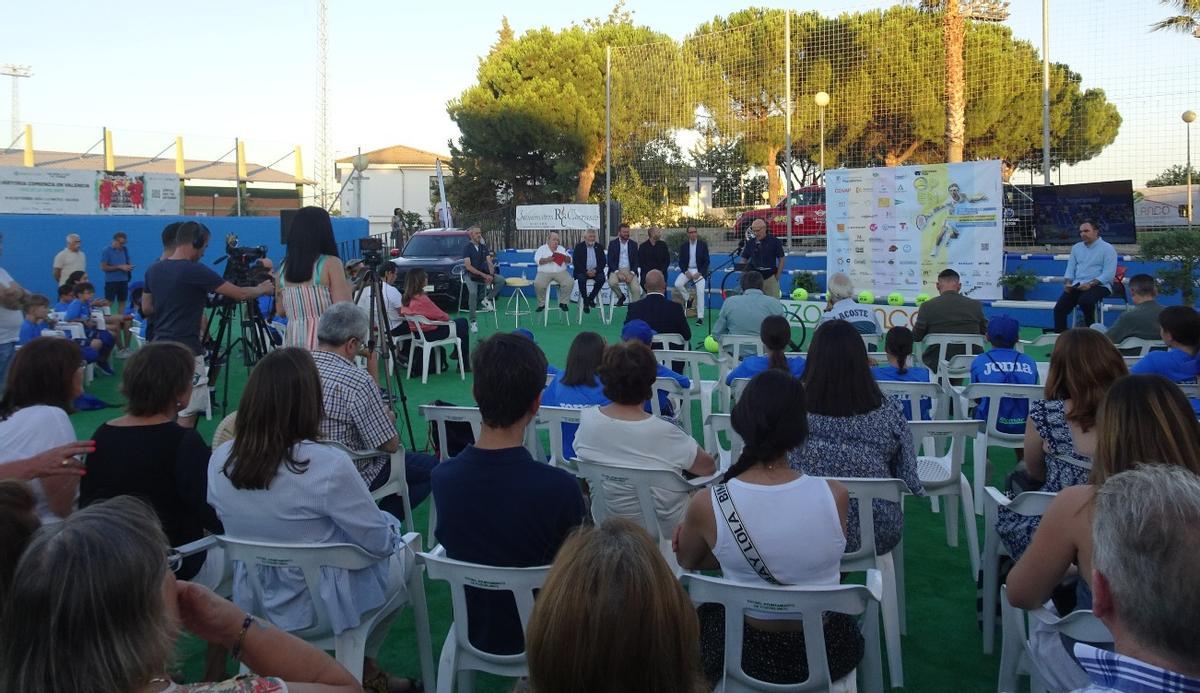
x=660 y=313
x=1004 y=364
x=776 y=333
x=416 y=303
x=45 y=378
x=768 y=497
x=18 y=522
x=1179 y=328
x=843 y=305
x=625 y=434
x=613 y=617
x=588 y=260
x=639 y=331
x=94 y=606
x=551 y=259
x=1142 y=319
x=83 y=294
x=898 y=347
x=854 y=431
x=1082 y=367
x=80 y=311
x=948 y=313
x=497 y=505
x=1143 y=419
x=622 y=265
x=66 y=294
x=1146 y=549
x=744 y=313
x=36 y=311
x=74 y=278
x=146 y=454
x=275 y=483
x=693 y=270
x=578 y=387
x=63 y=460
x=354 y=412
x=552 y=371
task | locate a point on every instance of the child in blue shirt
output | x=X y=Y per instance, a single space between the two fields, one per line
x=775 y=333
x=80 y=310
x=578 y=386
x=898 y=345
x=66 y=294
x=1180 y=330
x=641 y=331
x=1004 y=364
x=37 y=309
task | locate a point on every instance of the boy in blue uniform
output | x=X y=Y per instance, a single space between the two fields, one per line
x=37 y=309
x=1004 y=364
x=1180 y=330
x=80 y=311
x=66 y=294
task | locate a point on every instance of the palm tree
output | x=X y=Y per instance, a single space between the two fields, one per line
x=1186 y=22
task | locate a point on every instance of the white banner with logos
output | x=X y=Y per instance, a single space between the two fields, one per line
x=25 y=190
x=558 y=217
x=1164 y=206
x=811 y=312
x=894 y=229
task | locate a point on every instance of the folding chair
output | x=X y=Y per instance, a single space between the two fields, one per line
x=1017 y=655
x=940 y=472
x=809 y=603
x=428 y=345
x=989 y=434
x=1030 y=504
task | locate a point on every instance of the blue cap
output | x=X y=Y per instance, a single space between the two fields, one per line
x=527 y=334
x=639 y=330
x=1003 y=330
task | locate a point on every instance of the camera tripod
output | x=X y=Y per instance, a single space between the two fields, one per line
x=379 y=328
x=254 y=335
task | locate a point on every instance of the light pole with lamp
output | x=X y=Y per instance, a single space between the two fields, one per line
x=822 y=100
x=1189 y=117
x=360 y=163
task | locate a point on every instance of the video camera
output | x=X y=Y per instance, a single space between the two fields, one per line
x=241 y=267
x=371 y=248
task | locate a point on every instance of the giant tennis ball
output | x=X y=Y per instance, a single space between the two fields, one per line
x=799 y=294
x=866 y=297
x=710 y=343
x=921 y=298
x=895 y=299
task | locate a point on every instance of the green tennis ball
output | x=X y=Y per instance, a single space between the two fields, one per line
x=866 y=297
x=921 y=298
x=799 y=294
x=710 y=343
x=895 y=299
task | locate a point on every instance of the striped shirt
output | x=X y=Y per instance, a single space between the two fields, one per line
x=1111 y=672
x=355 y=414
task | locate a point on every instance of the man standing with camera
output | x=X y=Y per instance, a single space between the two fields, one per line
x=479 y=272
x=176 y=294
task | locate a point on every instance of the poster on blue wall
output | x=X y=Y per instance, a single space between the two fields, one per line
x=33 y=190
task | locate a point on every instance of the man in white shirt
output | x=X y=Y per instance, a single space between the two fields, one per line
x=843 y=306
x=693 y=267
x=69 y=260
x=623 y=265
x=552 y=260
x=11 y=294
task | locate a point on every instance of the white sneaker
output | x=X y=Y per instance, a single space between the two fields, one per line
x=124 y=353
x=486 y=306
x=474 y=327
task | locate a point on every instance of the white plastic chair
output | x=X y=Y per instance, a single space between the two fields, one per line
x=940 y=472
x=675 y=396
x=460 y=659
x=552 y=419
x=553 y=305
x=871 y=343
x=957 y=368
x=1017 y=655
x=714 y=425
x=89 y=369
x=916 y=393
x=427 y=345
x=972 y=343
x=989 y=434
x=736 y=345
x=668 y=340
x=599 y=302
x=396 y=484
x=602 y=476
x=810 y=603
x=350 y=646
x=736 y=389
x=701 y=391
x=610 y=305
x=890 y=567
x=460 y=273
x=1030 y=504
x=1144 y=346
x=1047 y=339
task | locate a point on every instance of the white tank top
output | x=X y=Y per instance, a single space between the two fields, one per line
x=794 y=526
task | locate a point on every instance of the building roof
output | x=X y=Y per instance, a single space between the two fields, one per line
x=399 y=155
x=194 y=168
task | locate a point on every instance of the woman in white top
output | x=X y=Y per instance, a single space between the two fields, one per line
x=625 y=435
x=797 y=524
x=45 y=378
x=273 y=483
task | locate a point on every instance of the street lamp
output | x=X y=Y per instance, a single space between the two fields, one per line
x=360 y=162
x=822 y=100
x=1189 y=117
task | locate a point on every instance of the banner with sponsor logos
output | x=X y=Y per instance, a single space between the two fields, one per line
x=557 y=217
x=811 y=312
x=25 y=190
x=894 y=229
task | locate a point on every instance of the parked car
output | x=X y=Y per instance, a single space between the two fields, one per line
x=439 y=253
x=808 y=215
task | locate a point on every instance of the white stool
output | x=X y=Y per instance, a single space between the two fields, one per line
x=517 y=299
x=611 y=303
x=604 y=318
x=566 y=315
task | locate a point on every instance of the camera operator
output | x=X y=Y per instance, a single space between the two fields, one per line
x=176 y=294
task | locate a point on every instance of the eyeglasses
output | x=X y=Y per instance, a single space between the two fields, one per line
x=174 y=560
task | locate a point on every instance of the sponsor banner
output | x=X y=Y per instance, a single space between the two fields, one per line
x=894 y=229
x=26 y=190
x=1165 y=206
x=810 y=313
x=558 y=217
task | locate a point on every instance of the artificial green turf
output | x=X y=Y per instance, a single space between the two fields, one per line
x=942 y=650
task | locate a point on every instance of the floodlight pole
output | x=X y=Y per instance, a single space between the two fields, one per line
x=787 y=98
x=1189 y=117
x=1046 y=92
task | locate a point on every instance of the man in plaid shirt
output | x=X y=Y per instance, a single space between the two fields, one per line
x=355 y=413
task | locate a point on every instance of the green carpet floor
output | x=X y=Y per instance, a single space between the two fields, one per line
x=942 y=650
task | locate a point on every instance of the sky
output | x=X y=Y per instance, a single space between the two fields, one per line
x=220 y=69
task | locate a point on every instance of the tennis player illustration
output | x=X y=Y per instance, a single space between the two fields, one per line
x=954 y=204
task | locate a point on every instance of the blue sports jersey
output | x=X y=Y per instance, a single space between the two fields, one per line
x=916 y=374
x=31 y=331
x=753 y=365
x=1010 y=367
x=1175 y=365
x=79 y=310
x=575 y=397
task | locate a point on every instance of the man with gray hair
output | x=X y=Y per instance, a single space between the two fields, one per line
x=69 y=260
x=552 y=260
x=1145 y=559
x=842 y=305
x=743 y=314
x=355 y=413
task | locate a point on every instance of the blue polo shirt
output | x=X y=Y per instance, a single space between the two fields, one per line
x=478 y=257
x=753 y=365
x=31 y=331
x=915 y=374
x=1174 y=365
x=115 y=256
x=1011 y=367
x=79 y=311
x=575 y=397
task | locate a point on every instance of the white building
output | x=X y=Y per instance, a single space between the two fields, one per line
x=396 y=176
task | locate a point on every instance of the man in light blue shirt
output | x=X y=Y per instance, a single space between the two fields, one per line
x=744 y=314
x=1089 y=277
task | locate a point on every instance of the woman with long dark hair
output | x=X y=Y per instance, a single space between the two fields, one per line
x=898 y=346
x=273 y=482
x=854 y=431
x=578 y=386
x=312 y=277
x=772 y=499
x=415 y=302
x=775 y=333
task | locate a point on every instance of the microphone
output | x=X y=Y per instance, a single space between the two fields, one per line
x=740 y=246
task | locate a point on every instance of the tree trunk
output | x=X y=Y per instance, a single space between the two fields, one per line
x=774 y=182
x=953 y=29
x=587 y=175
x=895 y=158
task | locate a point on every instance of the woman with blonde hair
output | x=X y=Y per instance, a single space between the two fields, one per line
x=1083 y=365
x=613 y=617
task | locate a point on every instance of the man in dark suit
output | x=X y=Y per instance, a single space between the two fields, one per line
x=653 y=255
x=662 y=314
x=693 y=268
x=588 y=261
x=623 y=265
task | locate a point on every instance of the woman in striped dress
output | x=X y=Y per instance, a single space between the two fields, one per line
x=312 y=277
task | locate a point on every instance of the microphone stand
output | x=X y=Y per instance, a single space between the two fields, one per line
x=733 y=257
